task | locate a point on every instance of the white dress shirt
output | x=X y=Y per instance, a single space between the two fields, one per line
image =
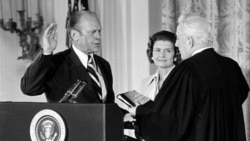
x=200 y=50
x=84 y=60
x=149 y=85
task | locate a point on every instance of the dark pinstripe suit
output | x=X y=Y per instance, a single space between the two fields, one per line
x=54 y=75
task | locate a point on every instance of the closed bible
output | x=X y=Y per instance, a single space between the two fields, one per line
x=132 y=98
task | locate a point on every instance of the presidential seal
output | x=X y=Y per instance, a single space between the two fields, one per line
x=47 y=125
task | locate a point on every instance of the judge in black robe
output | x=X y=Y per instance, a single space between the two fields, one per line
x=201 y=100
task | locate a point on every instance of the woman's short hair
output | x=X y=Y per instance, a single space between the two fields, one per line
x=162 y=36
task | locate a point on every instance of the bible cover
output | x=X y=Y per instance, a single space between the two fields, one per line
x=132 y=98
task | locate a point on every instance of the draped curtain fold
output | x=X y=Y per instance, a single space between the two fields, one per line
x=230 y=20
x=116 y=48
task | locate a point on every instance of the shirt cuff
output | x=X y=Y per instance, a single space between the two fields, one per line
x=132 y=111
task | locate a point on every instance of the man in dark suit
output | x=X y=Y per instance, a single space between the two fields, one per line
x=202 y=98
x=55 y=74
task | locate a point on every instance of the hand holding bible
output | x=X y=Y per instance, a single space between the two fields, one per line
x=130 y=100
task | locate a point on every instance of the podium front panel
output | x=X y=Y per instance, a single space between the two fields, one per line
x=83 y=122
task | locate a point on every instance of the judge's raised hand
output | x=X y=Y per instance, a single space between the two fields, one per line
x=49 y=39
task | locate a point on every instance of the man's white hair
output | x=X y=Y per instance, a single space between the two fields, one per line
x=197 y=27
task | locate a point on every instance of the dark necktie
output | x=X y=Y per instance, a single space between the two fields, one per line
x=93 y=74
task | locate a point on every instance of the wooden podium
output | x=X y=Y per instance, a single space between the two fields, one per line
x=83 y=122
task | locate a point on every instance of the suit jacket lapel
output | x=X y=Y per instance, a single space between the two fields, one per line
x=102 y=68
x=76 y=67
x=80 y=72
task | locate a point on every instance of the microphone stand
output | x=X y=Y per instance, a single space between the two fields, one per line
x=73 y=92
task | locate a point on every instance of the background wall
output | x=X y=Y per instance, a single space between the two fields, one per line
x=11 y=69
x=125 y=35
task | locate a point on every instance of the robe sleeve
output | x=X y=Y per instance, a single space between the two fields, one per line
x=244 y=88
x=172 y=112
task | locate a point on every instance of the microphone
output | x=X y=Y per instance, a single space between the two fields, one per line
x=73 y=92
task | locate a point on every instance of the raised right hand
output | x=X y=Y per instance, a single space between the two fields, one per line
x=49 y=39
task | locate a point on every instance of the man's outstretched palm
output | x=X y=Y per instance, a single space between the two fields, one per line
x=50 y=39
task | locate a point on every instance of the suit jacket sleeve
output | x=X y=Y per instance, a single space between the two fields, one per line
x=35 y=77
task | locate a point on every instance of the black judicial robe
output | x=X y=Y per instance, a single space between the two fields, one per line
x=201 y=100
